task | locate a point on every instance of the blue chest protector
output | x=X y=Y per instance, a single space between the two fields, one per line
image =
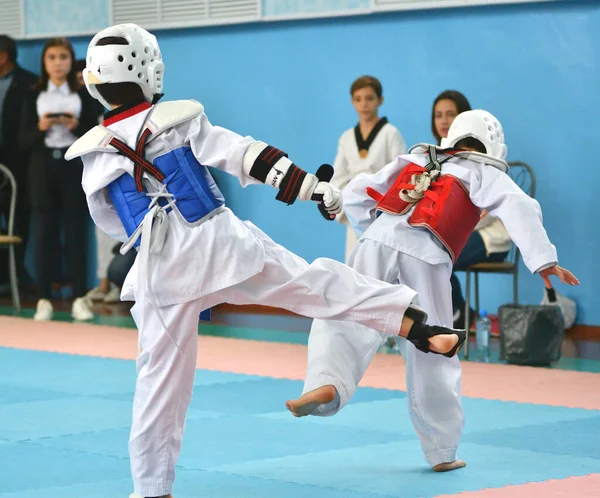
x=193 y=189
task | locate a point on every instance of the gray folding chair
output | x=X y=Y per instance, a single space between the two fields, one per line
x=524 y=177
x=10 y=240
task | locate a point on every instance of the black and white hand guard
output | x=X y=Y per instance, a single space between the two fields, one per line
x=272 y=167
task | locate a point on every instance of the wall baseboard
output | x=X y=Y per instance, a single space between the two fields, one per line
x=584 y=333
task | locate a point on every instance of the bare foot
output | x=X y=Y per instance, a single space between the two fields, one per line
x=443 y=343
x=309 y=402
x=446 y=467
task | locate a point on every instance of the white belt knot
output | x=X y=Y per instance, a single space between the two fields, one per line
x=153 y=230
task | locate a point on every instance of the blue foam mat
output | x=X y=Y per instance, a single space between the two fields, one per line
x=64 y=425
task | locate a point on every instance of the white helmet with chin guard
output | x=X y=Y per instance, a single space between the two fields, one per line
x=138 y=61
x=481 y=125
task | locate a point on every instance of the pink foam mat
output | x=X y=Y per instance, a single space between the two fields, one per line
x=571 y=487
x=288 y=361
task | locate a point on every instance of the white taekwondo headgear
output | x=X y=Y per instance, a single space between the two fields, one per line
x=140 y=61
x=481 y=125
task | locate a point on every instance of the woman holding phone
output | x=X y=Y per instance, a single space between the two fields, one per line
x=57 y=112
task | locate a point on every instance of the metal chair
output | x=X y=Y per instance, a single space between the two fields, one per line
x=524 y=177
x=10 y=240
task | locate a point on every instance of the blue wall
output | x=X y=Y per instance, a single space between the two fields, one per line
x=44 y=17
x=535 y=66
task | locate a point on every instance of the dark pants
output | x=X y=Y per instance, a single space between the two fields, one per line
x=473 y=253
x=66 y=202
x=119 y=267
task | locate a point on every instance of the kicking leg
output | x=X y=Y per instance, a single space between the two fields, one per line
x=328 y=289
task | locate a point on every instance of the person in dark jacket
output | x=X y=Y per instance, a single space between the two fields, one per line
x=15 y=82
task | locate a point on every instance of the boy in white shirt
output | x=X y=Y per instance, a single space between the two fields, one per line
x=366 y=148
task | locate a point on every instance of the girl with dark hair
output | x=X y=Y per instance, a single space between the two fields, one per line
x=56 y=112
x=446 y=106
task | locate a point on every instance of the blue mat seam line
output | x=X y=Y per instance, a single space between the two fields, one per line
x=308 y=485
x=83 y=452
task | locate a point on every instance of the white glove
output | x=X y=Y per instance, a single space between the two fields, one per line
x=331 y=197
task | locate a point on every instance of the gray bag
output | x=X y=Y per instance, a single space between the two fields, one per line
x=530 y=335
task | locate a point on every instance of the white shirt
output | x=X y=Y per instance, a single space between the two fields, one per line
x=388 y=145
x=488 y=187
x=59 y=99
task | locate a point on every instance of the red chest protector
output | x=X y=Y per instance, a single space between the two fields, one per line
x=445 y=210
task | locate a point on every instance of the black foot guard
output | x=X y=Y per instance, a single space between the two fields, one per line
x=416 y=314
x=420 y=333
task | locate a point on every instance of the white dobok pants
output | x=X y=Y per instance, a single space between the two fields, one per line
x=351 y=241
x=340 y=352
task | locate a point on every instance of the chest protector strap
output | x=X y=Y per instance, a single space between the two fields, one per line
x=127 y=193
x=442 y=203
x=137 y=157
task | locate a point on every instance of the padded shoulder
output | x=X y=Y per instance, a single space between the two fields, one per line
x=95 y=140
x=166 y=115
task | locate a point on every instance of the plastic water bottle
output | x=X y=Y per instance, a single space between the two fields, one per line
x=483 y=327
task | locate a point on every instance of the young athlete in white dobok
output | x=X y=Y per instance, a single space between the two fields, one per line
x=430 y=202
x=147 y=184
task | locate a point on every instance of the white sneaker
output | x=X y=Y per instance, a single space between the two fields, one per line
x=81 y=310
x=114 y=296
x=44 y=310
x=96 y=294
